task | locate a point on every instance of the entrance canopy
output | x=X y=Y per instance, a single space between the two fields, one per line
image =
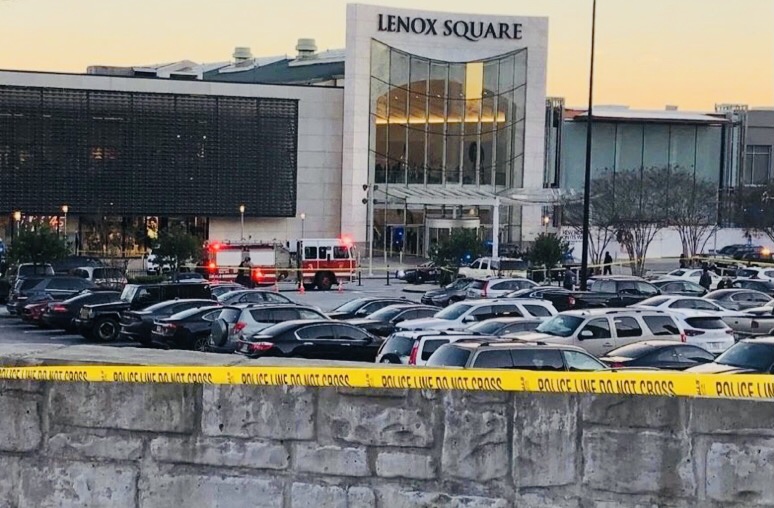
x=472 y=196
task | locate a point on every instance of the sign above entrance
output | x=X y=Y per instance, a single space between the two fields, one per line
x=473 y=31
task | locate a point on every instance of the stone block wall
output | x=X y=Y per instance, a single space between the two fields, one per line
x=140 y=446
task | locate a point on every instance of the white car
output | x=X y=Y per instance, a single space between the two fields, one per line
x=755 y=272
x=693 y=275
x=707 y=331
x=497 y=288
x=685 y=305
x=485 y=268
x=462 y=314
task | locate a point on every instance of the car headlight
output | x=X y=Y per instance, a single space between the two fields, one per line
x=90 y=314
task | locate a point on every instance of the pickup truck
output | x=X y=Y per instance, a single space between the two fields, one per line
x=757 y=321
x=103 y=321
x=485 y=268
x=613 y=291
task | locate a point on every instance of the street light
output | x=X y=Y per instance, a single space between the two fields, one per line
x=17 y=220
x=303 y=218
x=242 y=221
x=546 y=220
x=587 y=181
x=65 y=209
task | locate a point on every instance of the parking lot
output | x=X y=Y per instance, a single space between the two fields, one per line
x=15 y=333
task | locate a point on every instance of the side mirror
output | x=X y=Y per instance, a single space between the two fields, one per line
x=586 y=334
x=469 y=319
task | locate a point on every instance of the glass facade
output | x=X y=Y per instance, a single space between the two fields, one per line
x=447 y=123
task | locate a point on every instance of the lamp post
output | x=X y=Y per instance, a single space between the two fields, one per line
x=546 y=220
x=17 y=220
x=303 y=218
x=587 y=181
x=242 y=222
x=65 y=209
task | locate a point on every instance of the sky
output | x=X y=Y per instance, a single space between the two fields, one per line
x=650 y=53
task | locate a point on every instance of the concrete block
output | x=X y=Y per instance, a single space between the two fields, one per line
x=361 y=497
x=405 y=465
x=331 y=460
x=272 y=412
x=10 y=480
x=220 y=452
x=209 y=491
x=395 y=497
x=740 y=471
x=375 y=422
x=475 y=443
x=304 y=495
x=545 y=500
x=19 y=421
x=721 y=416
x=633 y=412
x=545 y=445
x=88 y=445
x=77 y=484
x=646 y=462
x=149 y=407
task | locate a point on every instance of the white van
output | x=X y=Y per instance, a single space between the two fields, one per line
x=484 y=268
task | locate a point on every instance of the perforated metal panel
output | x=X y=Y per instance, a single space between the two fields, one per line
x=121 y=153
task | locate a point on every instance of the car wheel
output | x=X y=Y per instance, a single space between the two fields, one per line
x=202 y=343
x=390 y=358
x=106 y=330
x=325 y=281
x=419 y=279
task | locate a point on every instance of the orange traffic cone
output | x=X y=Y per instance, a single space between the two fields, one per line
x=301 y=289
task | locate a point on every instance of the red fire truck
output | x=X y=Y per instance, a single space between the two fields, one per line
x=324 y=262
x=269 y=262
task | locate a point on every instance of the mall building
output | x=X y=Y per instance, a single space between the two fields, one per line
x=426 y=122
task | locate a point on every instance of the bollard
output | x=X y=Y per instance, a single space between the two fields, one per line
x=359 y=277
x=388 y=275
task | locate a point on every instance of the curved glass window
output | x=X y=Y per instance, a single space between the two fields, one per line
x=436 y=122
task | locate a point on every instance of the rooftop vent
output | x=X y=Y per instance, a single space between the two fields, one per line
x=671 y=108
x=306 y=48
x=242 y=54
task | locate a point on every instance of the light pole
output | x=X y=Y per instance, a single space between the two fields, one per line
x=17 y=220
x=65 y=209
x=303 y=218
x=546 y=220
x=587 y=180
x=242 y=222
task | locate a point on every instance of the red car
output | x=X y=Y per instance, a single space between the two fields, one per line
x=33 y=313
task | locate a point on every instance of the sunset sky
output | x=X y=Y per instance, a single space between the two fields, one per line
x=650 y=53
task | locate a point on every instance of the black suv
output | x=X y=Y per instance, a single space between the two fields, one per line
x=485 y=354
x=34 y=289
x=103 y=321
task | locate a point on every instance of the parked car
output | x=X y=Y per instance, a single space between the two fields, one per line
x=487 y=267
x=382 y=322
x=685 y=304
x=659 y=354
x=485 y=354
x=137 y=325
x=499 y=327
x=189 y=329
x=599 y=331
x=252 y=296
x=34 y=270
x=748 y=356
x=103 y=277
x=707 y=331
x=679 y=287
x=32 y=313
x=426 y=272
x=220 y=288
x=102 y=321
x=693 y=275
x=66 y=265
x=764 y=286
x=451 y=293
x=34 y=289
x=497 y=288
x=416 y=347
x=231 y=326
x=461 y=315
x=755 y=272
x=322 y=339
x=738 y=299
x=62 y=314
x=361 y=307
x=562 y=299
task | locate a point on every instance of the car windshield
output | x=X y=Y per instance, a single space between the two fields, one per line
x=449 y=356
x=128 y=293
x=486 y=327
x=350 y=306
x=632 y=351
x=748 y=355
x=746 y=273
x=459 y=284
x=654 y=302
x=160 y=305
x=453 y=311
x=230 y=294
x=192 y=312
x=386 y=313
x=678 y=273
x=560 y=326
x=398 y=345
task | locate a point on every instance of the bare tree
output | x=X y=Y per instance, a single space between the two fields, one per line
x=693 y=209
x=602 y=219
x=754 y=209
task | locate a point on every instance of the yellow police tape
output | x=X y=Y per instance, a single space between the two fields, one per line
x=671 y=384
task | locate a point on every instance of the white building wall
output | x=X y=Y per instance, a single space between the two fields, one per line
x=319 y=146
x=363 y=25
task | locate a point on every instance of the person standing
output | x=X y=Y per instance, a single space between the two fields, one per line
x=683 y=263
x=569 y=280
x=706 y=280
x=608 y=264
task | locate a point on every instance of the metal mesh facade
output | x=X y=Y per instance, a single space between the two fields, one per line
x=127 y=153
